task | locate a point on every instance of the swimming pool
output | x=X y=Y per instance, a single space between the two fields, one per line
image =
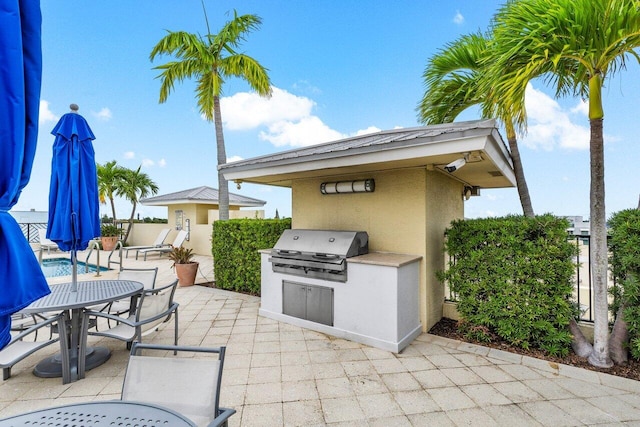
x=56 y=267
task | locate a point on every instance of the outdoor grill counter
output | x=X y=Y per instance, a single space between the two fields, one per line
x=328 y=281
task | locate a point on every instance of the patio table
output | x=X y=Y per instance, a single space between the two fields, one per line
x=63 y=297
x=101 y=413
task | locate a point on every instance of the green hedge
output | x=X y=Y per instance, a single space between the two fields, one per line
x=624 y=246
x=235 y=251
x=513 y=278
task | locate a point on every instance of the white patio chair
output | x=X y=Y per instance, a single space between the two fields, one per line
x=188 y=385
x=158 y=243
x=46 y=243
x=179 y=240
x=18 y=348
x=155 y=306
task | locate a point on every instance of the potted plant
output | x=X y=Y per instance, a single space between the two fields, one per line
x=186 y=267
x=109 y=235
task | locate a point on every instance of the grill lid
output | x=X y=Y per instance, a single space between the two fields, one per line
x=325 y=245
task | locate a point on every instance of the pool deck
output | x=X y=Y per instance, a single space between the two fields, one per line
x=277 y=374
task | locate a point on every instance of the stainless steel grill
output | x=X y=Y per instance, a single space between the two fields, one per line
x=320 y=254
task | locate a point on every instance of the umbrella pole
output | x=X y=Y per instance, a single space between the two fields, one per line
x=74 y=271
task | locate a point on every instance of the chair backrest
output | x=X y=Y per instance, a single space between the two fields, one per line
x=188 y=385
x=179 y=240
x=163 y=235
x=146 y=276
x=155 y=302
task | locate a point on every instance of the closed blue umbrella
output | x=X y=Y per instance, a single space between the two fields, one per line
x=20 y=78
x=74 y=217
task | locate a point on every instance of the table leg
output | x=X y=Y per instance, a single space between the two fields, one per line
x=51 y=367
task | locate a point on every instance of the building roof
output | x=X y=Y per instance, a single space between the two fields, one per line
x=489 y=163
x=201 y=195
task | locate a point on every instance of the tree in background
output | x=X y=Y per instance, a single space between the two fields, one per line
x=135 y=185
x=453 y=80
x=110 y=177
x=574 y=45
x=211 y=60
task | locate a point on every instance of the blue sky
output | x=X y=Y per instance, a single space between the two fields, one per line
x=338 y=68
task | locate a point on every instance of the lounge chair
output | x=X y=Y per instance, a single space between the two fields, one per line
x=179 y=240
x=190 y=386
x=159 y=243
x=46 y=243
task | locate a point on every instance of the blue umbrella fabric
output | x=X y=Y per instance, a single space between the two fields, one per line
x=74 y=217
x=20 y=79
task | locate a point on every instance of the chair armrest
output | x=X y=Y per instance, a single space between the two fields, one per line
x=37 y=326
x=223 y=416
x=109 y=316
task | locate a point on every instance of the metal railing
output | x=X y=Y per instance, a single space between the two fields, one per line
x=30 y=230
x=582 y=285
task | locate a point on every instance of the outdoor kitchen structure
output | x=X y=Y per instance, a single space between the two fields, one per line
x=368 y=220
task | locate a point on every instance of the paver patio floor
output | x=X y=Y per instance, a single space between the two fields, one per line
x=276 y=374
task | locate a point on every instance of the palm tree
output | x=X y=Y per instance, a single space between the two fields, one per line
x=575 y=45
x=136 y=185
x=109 y=183
x=453 y=80
x=211 y=60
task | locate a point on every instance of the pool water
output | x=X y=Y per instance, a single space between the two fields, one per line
x=56 y=267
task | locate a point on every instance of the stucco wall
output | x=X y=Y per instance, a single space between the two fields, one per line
x=407 y=213
x=444 y=204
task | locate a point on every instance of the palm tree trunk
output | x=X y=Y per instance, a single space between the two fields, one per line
x=521 y=182
x=133 y=212
x=113 y=209
x=223 y=186
x=600 y=355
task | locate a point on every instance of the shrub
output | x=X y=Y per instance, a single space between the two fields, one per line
x=624 y=245
x=235 y=251
x=513 y=278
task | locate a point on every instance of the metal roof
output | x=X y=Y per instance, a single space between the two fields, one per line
x=202 y=195
x=434 y=145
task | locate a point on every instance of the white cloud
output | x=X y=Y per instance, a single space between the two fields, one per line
x=46 y=115
x=246 y=110
x=162 y=163
x=288 y=119
x=549 y=126
x=104 y=114
x=370 y=129
x=147 y=163
x=129 y=155
x=458 y=19
x=307 y=131
x=234 y=159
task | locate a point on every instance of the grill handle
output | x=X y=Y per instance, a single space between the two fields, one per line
x=285 y=252
x=326 y=256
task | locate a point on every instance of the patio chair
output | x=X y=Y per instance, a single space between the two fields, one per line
x=146 y=276
x=155 y=306
x=188 y=385
x=179 y=240
x=18 y=348
x=46 y=243
x=158 y=243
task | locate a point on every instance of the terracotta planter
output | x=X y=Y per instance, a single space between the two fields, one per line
x=108 y=242
x=186 y=273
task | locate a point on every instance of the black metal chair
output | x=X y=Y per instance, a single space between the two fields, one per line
x=188 y=385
